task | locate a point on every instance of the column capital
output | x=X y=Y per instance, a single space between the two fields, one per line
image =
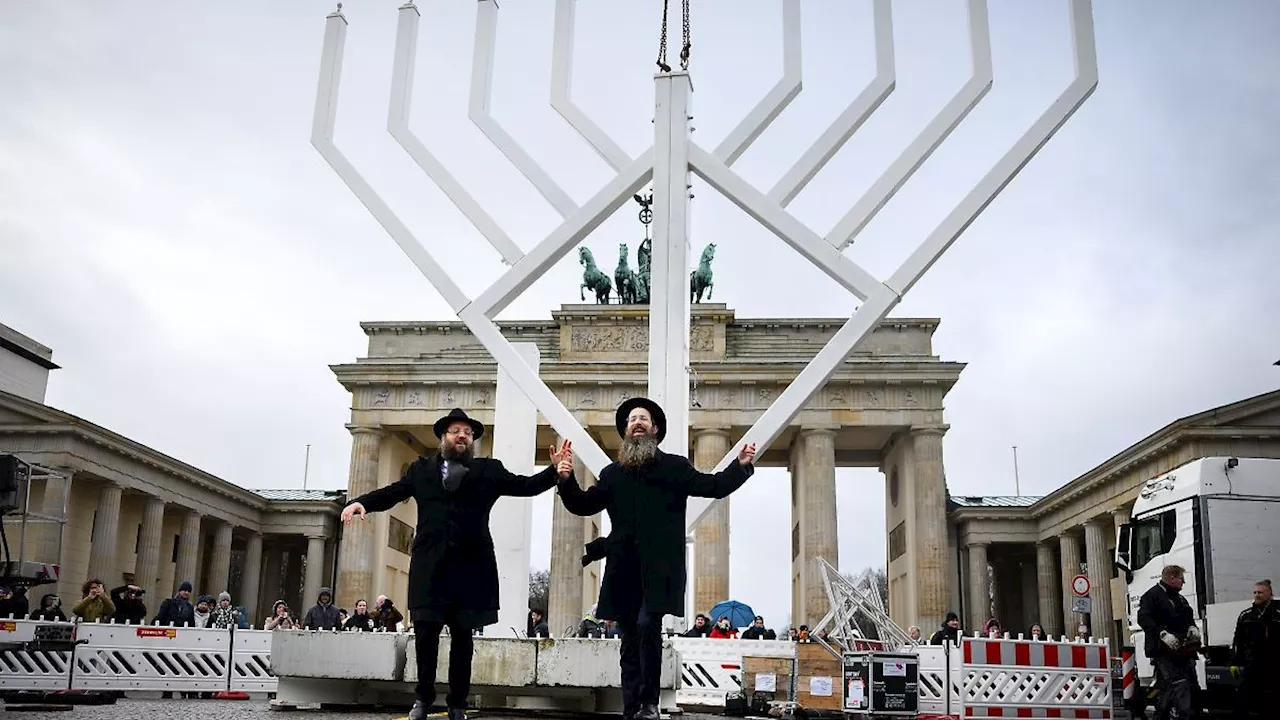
x=929 y=430
x=979 y=543
x=710 y=431
x=1047 y=542
x=1097 y=521
x=358 y=430
x=817 y=431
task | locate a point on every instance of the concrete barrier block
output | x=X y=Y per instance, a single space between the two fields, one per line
x=338 y=655
x=593 y=663
x=500 y=662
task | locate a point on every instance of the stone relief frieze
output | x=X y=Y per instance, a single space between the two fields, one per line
x=631 y=338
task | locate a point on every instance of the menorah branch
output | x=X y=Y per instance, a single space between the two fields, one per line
x=777 y=220
x=326 y=115
x=857 y=113
x=570 y=232
x=398 y=125
x=931 y=136
x=562 y=89
x=478 y=111
x=1012 y=162
x=777 y=99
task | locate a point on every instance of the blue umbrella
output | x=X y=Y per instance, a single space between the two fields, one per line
x=739 y=615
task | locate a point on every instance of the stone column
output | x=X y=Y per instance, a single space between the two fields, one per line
x=270 y=588
x=188 y=553
x=1099 y=560
x=147 y=572
x=1070 y=547
x=568 y=538
x=711 y=536
x=252 y=578
x=220 y=560
x=359 y=545
x=1048 y=589
x=979 y=588
x=49 y=547
x=818 y=526
x=315 y=572
x=106 y=525
x=929 y=537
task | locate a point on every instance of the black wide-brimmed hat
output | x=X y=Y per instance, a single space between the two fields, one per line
x=655 y=412
x=456 y=415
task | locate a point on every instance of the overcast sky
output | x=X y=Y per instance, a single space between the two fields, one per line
x=167 y=228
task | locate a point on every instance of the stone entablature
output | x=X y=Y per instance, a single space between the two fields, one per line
x=594 y=357
x=57 y=439
x=619 y=333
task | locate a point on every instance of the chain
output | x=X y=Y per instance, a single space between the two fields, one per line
x=662 y=38
x=684 y=52
x=662 y=41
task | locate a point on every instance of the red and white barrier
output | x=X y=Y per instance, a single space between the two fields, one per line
x=1031 y=679
x=1128 y=674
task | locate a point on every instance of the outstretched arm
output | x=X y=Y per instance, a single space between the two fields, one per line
x=561 y=468
x=515 y=485
x=586 y=502
x=717 y=485
x=385 y=498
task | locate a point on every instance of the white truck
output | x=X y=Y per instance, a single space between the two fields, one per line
x=1219 y=518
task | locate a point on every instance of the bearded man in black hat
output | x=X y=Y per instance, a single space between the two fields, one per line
x=645 y=493
x=453 y=574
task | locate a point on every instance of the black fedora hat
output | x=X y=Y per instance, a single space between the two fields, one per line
x=456 y=415
x=655 y=412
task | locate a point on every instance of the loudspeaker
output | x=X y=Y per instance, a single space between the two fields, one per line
x=14 y=475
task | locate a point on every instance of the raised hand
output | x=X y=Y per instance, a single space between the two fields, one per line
x=747 y=455
x=563 y=459
x=351 y=511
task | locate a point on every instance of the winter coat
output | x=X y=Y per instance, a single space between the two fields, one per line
x=1163 y=609
x=386 y=617
x=361 y=623
x=754 y=633
x=541 y=630
x=322 y=616
x=453 y=571
x=721 y=634
x=646 y=506
x=50 y=614
x=699 y=632
x=224 y=618
x=945 y=635
x=1257 y=638
x=94 y=609
x=176 y=611
x=128 y=610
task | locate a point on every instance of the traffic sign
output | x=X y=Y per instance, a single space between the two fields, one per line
x=1080 y=585
x=1082 y=605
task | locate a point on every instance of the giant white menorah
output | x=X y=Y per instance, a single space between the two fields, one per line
x=668 y=164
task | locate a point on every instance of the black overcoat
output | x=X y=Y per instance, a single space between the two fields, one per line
x=645 y=559
x=452 y=570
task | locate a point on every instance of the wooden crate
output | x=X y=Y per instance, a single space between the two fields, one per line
x=781 y=668
x=814 y=661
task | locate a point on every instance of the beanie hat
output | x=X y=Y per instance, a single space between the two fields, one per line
x=951 y=616
x=185 y=586
x=224 y=595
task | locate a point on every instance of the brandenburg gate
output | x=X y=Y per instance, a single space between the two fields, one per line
x=882 y=408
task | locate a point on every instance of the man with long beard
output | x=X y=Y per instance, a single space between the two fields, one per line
x=645 y=493
x=453 y=574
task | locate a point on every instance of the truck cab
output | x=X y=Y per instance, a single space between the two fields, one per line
x=1216 y=518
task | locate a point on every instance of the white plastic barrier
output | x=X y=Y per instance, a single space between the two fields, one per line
x=24 y=669
x=1024 y=678
x=939 y=678
x=145 y=657
x=251 y=662
x=135 y=657
x=711 y=669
